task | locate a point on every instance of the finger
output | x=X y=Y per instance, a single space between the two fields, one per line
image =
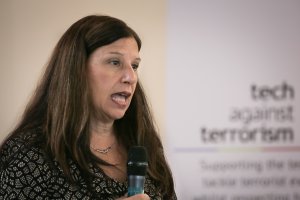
x=139 y=197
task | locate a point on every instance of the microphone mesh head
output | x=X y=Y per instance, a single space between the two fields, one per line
x=137 y=154
x=137 y=161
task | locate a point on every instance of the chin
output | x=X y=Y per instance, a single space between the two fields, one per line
x=117 y=116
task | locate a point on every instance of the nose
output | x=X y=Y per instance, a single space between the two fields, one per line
x=129 y=75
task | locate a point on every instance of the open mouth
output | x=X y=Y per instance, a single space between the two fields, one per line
x=120 y=97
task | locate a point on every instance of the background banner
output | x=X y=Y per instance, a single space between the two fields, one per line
x=232 y=107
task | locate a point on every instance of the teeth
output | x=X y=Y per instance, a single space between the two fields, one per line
x=119 y=98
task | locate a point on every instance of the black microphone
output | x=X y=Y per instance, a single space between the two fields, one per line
x=136 y=170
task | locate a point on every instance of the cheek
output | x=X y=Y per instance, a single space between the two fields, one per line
x=99 y=80
x=134 y=87
x=136 y=83
x=97 y=85
x=99 y=88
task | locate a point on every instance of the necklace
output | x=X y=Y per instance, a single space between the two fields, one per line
x=103 y=151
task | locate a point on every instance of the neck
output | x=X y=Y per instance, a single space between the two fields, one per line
x=102 y=134
x=99 y=127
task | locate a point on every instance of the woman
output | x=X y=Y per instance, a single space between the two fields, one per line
x=86 y=113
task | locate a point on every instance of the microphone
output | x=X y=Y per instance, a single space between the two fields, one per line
x=136 y=170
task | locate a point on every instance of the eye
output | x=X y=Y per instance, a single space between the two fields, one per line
x=114 y=62
x=135 y=66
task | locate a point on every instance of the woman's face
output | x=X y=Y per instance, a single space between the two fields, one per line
x=112 y=76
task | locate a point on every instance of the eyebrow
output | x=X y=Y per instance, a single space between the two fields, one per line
x=118 y=53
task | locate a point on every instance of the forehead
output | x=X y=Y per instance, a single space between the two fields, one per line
x=123 y=46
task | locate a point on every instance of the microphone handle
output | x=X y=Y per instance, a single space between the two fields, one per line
x=135 y=185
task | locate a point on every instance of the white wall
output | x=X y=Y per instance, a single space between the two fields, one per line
x=30 y=29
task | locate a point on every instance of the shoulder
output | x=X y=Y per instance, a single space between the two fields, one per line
x=153 y=189
x=23 y=164
x=23 y=147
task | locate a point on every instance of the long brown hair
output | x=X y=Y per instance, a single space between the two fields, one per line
x=61 y=104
